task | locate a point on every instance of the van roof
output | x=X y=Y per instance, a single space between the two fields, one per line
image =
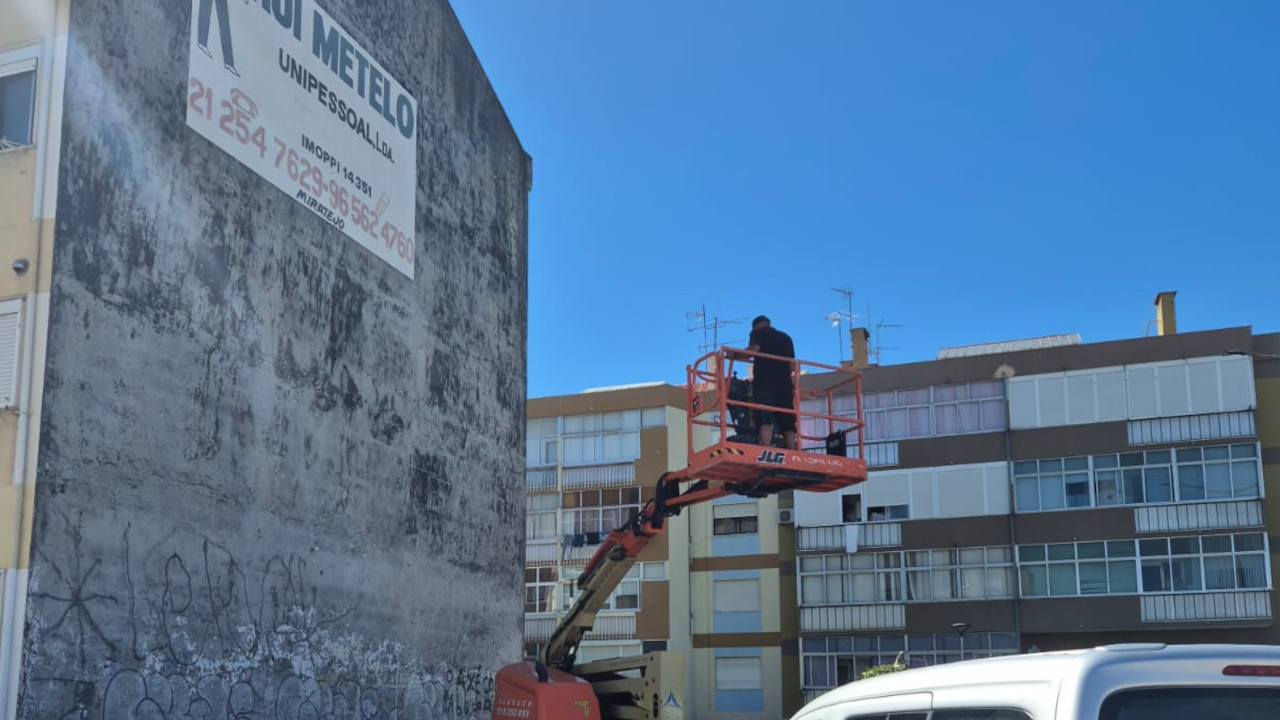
x=1034 y=667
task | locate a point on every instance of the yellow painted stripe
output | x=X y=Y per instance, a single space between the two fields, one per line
x=16 y=501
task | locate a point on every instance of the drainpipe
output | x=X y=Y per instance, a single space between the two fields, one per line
x=1013 y=530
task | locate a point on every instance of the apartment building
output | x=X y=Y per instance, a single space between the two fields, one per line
x=593 y=459
x=32 y=62
x=1046 y=494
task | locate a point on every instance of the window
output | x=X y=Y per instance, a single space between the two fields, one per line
x=1051 y=484
x=1134 y=478
x=1210 y=562
x=539 y=589
x=1194 y=563
x=592 y=514
x=1192 y=703
x=971 y=408
x=736 y=596
x=540 y=516
x=624 y=597
x=878 y=513
x=1216 y=473
x=17 y=104
x=927 y=575
x=734 y=519
x=600 y=438
x=847 y=579
x=541 y=441
x=653 y=417
x=1222 y=472
x=922 y=412
x=1086 y=568
x=959 y=573
x=828 y=662
x=851 y=508
x=738 y=673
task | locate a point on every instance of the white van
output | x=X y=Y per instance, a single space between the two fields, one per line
x=1116 y=682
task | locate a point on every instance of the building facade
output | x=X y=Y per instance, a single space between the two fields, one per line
x=254 y=352
x=1027 y=495
x=1047 y=495
x=593 y=460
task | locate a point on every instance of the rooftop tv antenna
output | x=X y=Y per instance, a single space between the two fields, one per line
x=712 y=327
x=880 y=326
x=838 y=318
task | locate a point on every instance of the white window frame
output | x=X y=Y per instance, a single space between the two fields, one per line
x=628 y=587
x=728 y=519
x=827 y=651
x=541 y=509
x=599 y=519
x=1123 y=553
x=541 y=592
x=16 y=63
x=1238 y=454
x=876 y=414
x=1135 y=562
x=1264 y=553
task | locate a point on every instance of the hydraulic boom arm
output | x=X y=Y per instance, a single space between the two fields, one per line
x=606 y=569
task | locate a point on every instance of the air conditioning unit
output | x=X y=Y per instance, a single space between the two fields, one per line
x=786 y=516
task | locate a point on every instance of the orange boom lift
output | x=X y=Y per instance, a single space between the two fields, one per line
x=724 y=459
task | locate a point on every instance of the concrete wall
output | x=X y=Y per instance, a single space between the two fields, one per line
x=276 y=477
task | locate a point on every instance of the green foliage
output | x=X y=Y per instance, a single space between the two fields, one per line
x=882 y=670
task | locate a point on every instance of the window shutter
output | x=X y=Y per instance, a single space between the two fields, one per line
x=10 y=325
x=732 y=510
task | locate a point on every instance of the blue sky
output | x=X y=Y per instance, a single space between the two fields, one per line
x=973 y=171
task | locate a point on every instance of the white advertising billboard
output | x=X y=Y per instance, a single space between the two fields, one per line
x=282 y=88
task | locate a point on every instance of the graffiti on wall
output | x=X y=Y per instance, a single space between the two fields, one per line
x=184 y=635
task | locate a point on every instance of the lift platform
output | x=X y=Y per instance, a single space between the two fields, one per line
x=723 y=446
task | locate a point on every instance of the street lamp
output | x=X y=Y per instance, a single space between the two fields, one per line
x=961 y=628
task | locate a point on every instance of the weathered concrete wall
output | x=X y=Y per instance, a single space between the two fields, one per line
x=276 y=477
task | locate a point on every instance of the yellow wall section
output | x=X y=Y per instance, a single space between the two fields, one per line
x=1268 y=419
x=15 y=546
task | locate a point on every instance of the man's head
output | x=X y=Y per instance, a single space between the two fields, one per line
x=760 y=322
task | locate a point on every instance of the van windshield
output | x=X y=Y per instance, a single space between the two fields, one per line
x=1207 y=703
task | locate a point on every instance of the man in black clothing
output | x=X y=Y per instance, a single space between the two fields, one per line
x=772 y=380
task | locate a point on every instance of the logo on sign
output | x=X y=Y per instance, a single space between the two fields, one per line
x=773 y=457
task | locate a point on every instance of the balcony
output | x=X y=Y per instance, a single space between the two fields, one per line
x=540 y=552
x=1198 y=516
x=843 y=618
x=848 y=538
x=584 y=477
x=540 y=479
x=1253 y=605
x=538 y=627
x=599 y=476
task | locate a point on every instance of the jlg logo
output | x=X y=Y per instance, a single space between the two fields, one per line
x=774 y=457
x=584 y=706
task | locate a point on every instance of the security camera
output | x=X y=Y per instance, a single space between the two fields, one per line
x=20 y=265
